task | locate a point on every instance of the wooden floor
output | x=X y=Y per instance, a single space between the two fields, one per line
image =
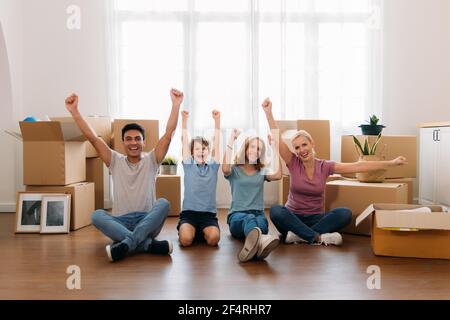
x=34 y=267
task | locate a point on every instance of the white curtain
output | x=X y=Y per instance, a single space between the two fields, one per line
x=316 y=59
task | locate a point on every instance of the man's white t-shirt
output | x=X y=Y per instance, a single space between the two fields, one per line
x=133 y=183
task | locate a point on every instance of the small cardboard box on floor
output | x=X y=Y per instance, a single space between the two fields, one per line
x=101 y=125
x=151 y=128
x=319 y=130
x=82 y=201
x=52 y=155
x=357 y=196
x=397 y=231
x=169 y=188
x=390 y=147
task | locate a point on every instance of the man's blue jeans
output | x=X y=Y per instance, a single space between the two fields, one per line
x=136 y=229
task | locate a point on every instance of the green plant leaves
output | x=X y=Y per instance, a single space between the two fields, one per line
x=367 y=150
x=358 y=145
x=374 y=147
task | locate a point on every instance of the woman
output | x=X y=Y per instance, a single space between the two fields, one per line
x=246 y=217
x=303 y=218
x=198 y=219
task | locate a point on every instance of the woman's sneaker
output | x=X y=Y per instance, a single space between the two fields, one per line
x=161 y=247
x=331 y=238
x=117 y=251
x=250 y=247
x=267 y=243
x=293 y=238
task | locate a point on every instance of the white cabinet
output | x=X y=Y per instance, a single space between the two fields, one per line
x=434 y=169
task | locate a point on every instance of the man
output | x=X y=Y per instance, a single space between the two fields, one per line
x=137 y=218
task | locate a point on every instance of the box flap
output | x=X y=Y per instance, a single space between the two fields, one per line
x=367 y=212
x=14 y=134
x=71 y=132
x=41 y=131
x=413 y=220
x=355 y=183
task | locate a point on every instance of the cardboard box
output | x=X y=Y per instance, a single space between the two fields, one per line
x=389 y=147
x=283 y=189
x=357 y=196
x=151 y=128
x=284 y=185
x=169 y=188
x=52 y=155
x=319 y=130
x=410 y=234
x=101 y=125
x=95 y=169
x=408 y=181
x=82 y=202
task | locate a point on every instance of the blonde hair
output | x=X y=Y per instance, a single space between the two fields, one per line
x=304 y=134
x=241 y=156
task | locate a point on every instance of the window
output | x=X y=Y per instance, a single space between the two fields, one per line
x=316 y=59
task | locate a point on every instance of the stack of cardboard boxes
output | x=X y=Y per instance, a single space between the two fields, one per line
x=54 y=161
x=398 y=188
x=58 y=159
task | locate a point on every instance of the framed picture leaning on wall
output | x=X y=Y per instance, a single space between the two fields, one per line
x=55 y=213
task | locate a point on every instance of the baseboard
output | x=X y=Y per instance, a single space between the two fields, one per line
x=7 y=207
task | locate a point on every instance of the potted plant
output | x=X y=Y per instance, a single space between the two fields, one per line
x=373 y=128
x=169 y=166
x=368 y=153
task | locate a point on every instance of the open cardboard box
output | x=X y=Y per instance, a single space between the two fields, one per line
x=101 y=126
x=399 y=232
x=53 y=153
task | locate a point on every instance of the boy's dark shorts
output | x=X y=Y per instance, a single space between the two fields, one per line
x=199 y=220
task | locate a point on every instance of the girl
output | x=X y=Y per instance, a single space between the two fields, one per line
x=303 y=218
x=198 y=219
x=246 y=217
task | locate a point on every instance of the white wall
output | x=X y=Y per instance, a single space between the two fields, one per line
x=10 y=95
x=416 y=64
x=59 y=61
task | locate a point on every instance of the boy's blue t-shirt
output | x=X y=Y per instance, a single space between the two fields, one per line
x=200 y=184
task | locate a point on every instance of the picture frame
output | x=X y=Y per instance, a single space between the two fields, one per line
x=55 y=213
x=28 y=212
